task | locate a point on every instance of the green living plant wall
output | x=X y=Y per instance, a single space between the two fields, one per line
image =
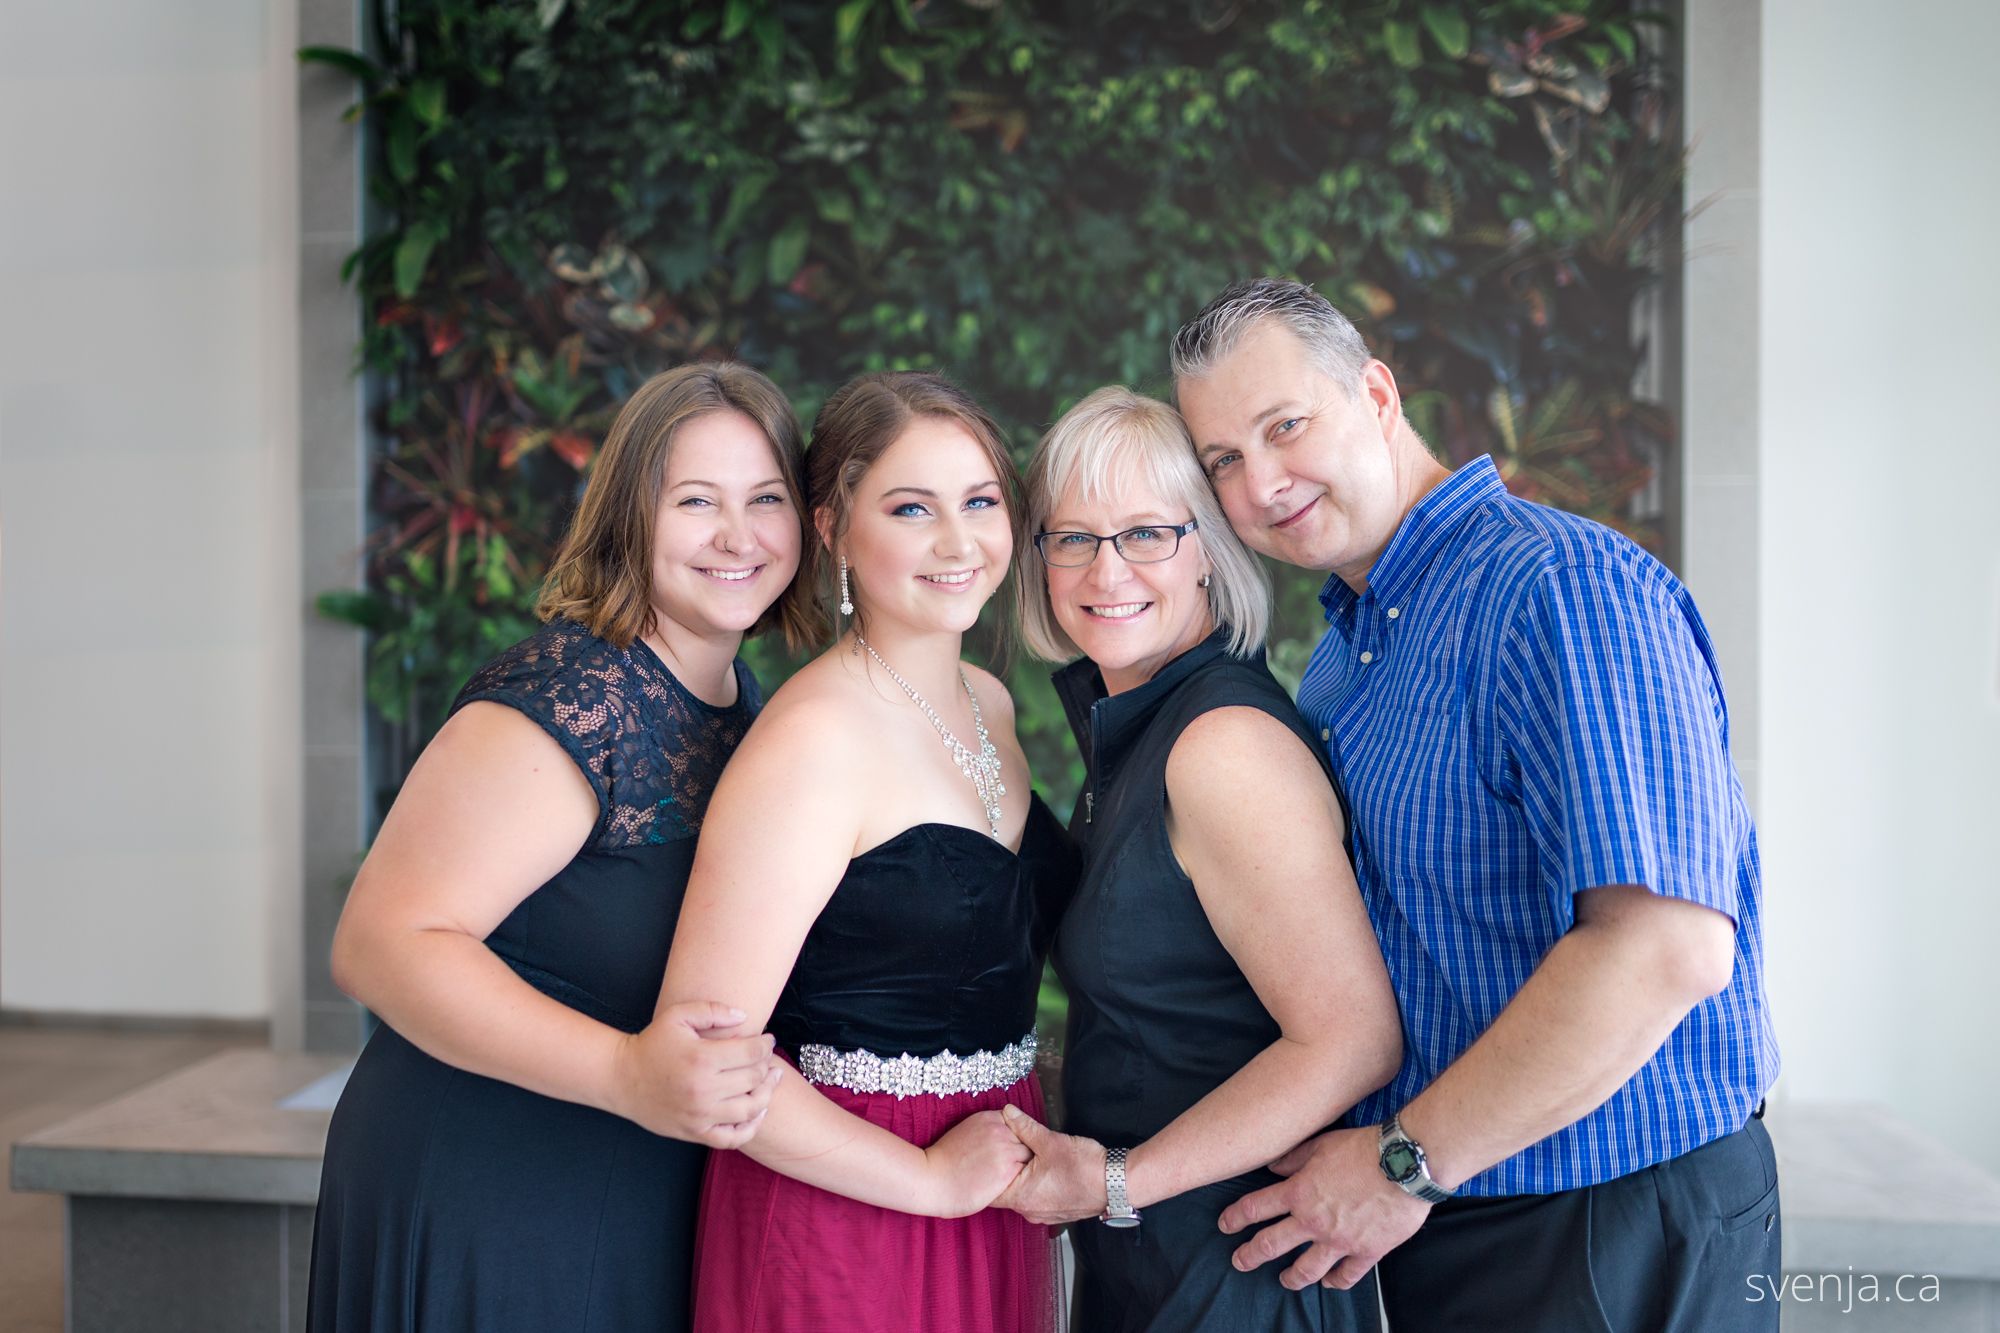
x=1030 y=195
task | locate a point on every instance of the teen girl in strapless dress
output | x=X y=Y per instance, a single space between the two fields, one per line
x=876 y=883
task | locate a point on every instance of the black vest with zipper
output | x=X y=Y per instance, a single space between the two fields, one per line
x=1159 y=1013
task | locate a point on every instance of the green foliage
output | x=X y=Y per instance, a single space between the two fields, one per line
x=1029 y=194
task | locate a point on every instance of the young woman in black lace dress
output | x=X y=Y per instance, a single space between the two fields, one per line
x=519 y=1147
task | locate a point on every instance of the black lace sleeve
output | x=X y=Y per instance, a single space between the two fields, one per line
x=651 y=751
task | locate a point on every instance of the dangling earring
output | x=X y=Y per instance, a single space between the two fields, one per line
x=846 y=601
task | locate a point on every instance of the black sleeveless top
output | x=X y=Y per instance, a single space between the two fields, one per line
x=1159 y=1013
x=932 y=941
x=596 y=935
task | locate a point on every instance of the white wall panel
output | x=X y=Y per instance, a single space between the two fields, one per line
x=1880 y=549
x=148 y=481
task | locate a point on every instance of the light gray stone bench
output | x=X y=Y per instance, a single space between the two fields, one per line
x=189 y=1203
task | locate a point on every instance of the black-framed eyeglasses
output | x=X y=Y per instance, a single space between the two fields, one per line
x=1141 y=545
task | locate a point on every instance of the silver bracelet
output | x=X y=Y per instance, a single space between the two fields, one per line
x=1118 y=1209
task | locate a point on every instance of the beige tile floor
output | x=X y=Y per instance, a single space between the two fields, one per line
x=47 y=1074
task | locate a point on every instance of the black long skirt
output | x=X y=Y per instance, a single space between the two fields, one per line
x=454 y=1202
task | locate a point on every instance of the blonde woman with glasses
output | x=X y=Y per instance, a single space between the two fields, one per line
x=1227 y=998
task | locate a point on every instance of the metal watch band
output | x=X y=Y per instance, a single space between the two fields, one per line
x=1118 y=1209
x=1418 y=1183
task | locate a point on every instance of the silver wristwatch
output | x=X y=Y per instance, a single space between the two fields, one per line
x=1404 y=1163
x=1118 y=1209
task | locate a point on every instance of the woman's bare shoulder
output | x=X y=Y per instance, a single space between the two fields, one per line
x=819 y=700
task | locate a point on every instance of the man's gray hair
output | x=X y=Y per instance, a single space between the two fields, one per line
x=1328 y=335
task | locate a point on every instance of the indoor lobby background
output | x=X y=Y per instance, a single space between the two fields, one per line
x=182 y=468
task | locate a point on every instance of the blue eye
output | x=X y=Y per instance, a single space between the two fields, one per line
x=983 y=502
x=770 y=500
x=1220 y=462
x=910 y=510
x=1285 y=426
x=693 y=500
x=1074 y=540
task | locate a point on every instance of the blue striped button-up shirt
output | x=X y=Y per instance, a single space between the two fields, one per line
x=1525 y=705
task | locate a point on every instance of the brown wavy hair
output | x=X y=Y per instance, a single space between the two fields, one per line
x=602 y=575
x=856 y=426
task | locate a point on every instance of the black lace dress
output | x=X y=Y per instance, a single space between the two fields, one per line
x=450 y=1201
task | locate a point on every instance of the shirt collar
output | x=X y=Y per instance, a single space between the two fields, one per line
x=1423 y=532
x=1120 y=717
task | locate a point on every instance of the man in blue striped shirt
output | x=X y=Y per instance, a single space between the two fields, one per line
x=1555 y=851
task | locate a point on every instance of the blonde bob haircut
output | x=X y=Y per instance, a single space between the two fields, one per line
x=1116 y=442
x=602 y=577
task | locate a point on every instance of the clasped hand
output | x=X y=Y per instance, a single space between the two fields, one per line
x=1008 y=1159
x=1334 y=1200
x=1063 y=1180
x=690 y=1074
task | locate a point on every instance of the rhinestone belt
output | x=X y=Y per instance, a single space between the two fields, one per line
x=907 y=1075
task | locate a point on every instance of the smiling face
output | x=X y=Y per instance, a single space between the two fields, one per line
x=726 y=537
x=1306 y=471
x=1130 y=618
x=928 y=538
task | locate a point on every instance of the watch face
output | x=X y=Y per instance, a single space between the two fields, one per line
x=1400 y=1161
x=1122 y=1222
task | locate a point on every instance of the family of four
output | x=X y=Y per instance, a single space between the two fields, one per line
x=1438 y=992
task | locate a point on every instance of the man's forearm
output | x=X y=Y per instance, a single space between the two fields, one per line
x=1590 y=1016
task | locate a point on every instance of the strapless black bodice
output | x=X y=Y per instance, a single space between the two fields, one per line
x=932 y=941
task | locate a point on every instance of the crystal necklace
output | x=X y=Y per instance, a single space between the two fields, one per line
x=982 y=768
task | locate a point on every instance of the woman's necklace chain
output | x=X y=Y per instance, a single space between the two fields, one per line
x=983 y=767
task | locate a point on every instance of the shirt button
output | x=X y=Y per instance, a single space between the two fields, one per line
x=1395 y=611
x=1326 y=733
x=1366 y=658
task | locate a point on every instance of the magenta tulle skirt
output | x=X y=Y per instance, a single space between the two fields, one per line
x=775 y=1256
